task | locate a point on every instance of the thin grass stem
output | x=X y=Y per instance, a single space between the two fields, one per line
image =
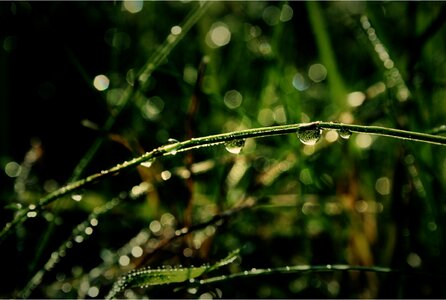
x=143 y=77
x=296 y=269
x=212 y=140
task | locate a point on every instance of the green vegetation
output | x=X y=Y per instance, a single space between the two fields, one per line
x=302 y=142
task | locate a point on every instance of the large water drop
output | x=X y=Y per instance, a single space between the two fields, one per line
x=309 y=136
x=345 y=133
x=235 y=146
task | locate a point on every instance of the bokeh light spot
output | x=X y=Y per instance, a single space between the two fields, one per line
x=101 y=82
x=233 y=99
x=388 y=64
x=331 y=136
x=152 y=108
x=363 y=140
x=190 y=74
x=286 y=14
x=133 y=6
x=175 y=30
x=219 y=35
x=155 y=226
x=355 y=99
x=376 y=89
x=188 y=252
x=78 y=239
x=137 y=251
x=166 y=175
x=124 y=260
x=382 y=186
x=93 y=291
x=66 y=287
x=414 y=260
x=280 y=114
x=271 y=15
x=266 y=117
x=299 y=82
x=361 y=206
x=305 y=177
x=167 y=219
x=88 y=230
x=13 y=169
x=317 y=72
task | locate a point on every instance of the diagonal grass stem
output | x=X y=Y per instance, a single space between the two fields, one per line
x=212 y=140
x=297 y=269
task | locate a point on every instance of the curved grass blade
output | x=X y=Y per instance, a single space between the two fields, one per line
x=217 y=139
x=149 y=277
x=57 y=255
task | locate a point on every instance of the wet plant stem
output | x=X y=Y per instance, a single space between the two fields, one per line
x=212 y=140
x=313 y=269
x=296 y=269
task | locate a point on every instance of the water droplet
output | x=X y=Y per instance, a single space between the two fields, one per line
x=148 y=163
x=76 y=197
x=166 y=175
x=309 y=136
x=171 y=146
x=31 y=214
x=88 y=230
x=235 y=146
x=345 y=133
x=79 y=239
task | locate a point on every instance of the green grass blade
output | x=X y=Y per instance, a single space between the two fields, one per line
x=149 y=277
x=327 y=55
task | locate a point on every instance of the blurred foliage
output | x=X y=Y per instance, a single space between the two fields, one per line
x=363 y=201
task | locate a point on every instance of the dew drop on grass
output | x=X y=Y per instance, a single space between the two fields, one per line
x=235 y=146
x=31 y=214
x=345 y=133
x=148 y=163
x=309 y=136
x=172 y=146
x=76 y=197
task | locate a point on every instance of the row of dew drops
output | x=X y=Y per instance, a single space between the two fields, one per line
x=308 y=136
